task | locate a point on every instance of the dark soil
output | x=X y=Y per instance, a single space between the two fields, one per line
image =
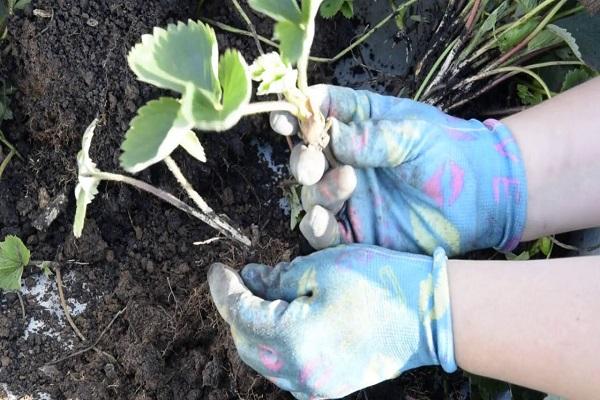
x=136 y=252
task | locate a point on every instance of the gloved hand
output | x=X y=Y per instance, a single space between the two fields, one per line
x=339 y=320
x=414 y=177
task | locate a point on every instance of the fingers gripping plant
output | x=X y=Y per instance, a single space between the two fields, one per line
x=215 y=94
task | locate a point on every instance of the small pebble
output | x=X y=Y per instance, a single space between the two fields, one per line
x=150 y=266
x=4 y=362
x=183 y=268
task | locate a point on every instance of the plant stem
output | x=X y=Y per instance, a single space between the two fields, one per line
x=195 y=196
x=497 y=32
x=471 y=19
x=533 y=34
x=433 y=68
x=566 y=13
x=326 y=60
x=248 y=22
x=481 y=91
x=199 y=201
x=485 y=74
x=261 y=51
x=174 y=201
x=309 y=27
x=269 y=106
x=535 y=11
x=233 y=29
x=553 y=64
x=238 y=31
x=513 y=68
x=6 y=161
x=10 y=146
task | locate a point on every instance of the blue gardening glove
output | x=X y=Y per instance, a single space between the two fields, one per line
x=414 y=177
x=339 y=320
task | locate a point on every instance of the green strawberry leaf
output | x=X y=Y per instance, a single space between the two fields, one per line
x=347 y=9
x=546 y=245
x=192 y=145
x=236 y=86
x=14 y=256
x=510 y=38
x=566 y=36
x=527 y=97
x=181 y=54
x=292 y=24
x=295 y=206
x=153 y=134
x=574 y=77
x=274 y=75
x=279 y=10
x=329 y=8
x=585 y=28
x=291 y=40
x=87 y=185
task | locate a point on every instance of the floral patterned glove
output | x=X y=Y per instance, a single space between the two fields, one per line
x=414 y=177
x=339 y=320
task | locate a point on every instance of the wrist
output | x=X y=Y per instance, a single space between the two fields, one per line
x=441 y=317
x=508 y=183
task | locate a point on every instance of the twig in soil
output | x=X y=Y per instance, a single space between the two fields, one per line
x=93 y=345
x=45 y=16
x=172 y=294
x=207 y=241
x=63 y=303
x=10 y=146
x=6 y=161
x=22 y=304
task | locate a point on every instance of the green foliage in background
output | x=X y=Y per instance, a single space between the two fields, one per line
x=14 y=257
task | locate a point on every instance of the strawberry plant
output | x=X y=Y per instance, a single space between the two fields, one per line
x=14 y=257
x=330 y=8
x=214 y=94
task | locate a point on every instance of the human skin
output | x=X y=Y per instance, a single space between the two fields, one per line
x=560 y=145
x=536 y=323
x=532 y=323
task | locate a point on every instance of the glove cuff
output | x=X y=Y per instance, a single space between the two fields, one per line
x=510 y=189
x=441 y=317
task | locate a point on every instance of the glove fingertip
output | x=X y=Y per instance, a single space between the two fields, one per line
x=307 y=164
x=224 y=283
x=283 y=123
x=320 y=228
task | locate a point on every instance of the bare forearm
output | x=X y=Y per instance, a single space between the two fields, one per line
x=534 y=323
x=560 y=143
